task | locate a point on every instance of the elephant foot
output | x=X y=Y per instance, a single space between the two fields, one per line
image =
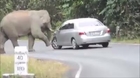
x=48 y=44
x=31 y=50
x=2 y=51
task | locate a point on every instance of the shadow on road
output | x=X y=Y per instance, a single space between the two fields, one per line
x=81 y=48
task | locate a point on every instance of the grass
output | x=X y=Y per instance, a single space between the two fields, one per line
x=42 y=69
x=135 y=41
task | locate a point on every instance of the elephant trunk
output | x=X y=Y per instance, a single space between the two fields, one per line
x=49 y=31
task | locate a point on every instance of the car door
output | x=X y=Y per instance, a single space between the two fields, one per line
x=68 y=34
x=59 y=36
x=64 y=35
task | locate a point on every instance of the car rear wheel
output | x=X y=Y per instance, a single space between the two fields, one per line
x=74 y=44
x=85 y=46
x=105 y=44
x=54 y=44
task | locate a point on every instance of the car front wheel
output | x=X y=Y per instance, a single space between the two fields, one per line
x=105 y=44
x=54 y=44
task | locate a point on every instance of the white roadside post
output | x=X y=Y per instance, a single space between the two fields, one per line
x=21 y=61
x=20 y=64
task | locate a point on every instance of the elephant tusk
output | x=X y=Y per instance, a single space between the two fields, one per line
x=51 y=30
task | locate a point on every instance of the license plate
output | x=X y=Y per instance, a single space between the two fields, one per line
x=94 y=33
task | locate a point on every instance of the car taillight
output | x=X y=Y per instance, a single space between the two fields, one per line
x=108 y=30
x=82 y=33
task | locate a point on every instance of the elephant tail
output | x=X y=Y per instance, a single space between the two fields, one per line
x=2 y=32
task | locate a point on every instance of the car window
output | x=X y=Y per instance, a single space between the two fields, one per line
x=70 y=26
x=90 y=23
x=64 y=27
x=67 y=26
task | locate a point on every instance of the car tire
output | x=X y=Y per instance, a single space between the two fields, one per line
x=105 y=44
x=74 y=44
x=54 y=44
x=85 y=46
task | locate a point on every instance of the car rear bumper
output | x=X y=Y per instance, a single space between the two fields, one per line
x=94 y=40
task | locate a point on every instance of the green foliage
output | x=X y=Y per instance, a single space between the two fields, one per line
x=123 y=13
x=52 y=6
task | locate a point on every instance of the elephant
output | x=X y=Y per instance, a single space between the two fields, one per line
x=31 y=23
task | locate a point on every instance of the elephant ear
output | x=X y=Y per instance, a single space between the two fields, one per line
x=44 y=16
x=42 y=20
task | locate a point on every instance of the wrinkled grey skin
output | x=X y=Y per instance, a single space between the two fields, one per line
x=31 y=23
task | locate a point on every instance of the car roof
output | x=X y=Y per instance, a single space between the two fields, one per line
x=78 y=20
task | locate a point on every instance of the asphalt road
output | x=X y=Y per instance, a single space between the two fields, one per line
x=116 y=61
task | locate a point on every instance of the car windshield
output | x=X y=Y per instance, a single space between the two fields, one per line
x=90 y=23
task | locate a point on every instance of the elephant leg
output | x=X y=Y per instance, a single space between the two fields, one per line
x=14 y=42
x=49 y=34
x=2 y=42
x=40 y=35
x=31 y=40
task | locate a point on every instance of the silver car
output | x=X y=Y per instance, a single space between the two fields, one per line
x=81 y=32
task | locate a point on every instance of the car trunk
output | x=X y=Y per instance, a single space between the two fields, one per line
x=94 y=30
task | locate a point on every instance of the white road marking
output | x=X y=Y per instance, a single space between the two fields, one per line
x=79 y=71
x=126 y=43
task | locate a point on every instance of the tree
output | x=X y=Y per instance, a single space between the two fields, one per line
x=123 y=13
